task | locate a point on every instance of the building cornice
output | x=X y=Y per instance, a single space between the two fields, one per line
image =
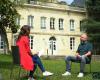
x=58 y=7
x=57 y=34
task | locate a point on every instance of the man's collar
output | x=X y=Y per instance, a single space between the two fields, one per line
x=83 y=42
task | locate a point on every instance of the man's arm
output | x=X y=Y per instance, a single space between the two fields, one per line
x=90 y=48
x=88 y=53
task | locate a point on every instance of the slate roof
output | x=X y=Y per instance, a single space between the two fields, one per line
x=78 y=3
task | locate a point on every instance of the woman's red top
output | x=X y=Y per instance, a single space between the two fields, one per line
x=24 y=49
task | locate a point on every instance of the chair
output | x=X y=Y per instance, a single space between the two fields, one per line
x=15 y=59
x=87 y=62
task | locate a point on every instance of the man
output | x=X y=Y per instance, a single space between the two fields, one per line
x=83 y=54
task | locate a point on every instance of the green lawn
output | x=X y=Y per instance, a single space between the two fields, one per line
x=55 y=66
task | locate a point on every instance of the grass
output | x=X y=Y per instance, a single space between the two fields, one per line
x=55 y=66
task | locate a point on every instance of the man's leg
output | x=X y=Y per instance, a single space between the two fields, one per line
x=68 y=68
x=67 y=60
x=82 y=64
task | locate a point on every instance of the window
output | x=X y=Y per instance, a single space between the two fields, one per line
x=61 y=24
x=72 y=26
x=18 y=20
x=1 y=42
x=43 y=22
x=52 y=23
x=30 y=20
x=72 y=43
x=53 y=45
x=31 y=42
x=81 y=27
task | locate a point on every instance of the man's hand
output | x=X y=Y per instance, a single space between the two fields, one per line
x=77 y=55
x=84 y=56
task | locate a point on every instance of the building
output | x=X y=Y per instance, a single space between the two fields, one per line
x=55 y=27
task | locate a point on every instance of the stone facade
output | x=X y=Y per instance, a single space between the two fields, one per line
x=56 y=28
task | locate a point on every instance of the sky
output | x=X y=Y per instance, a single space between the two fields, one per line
x=68 y=1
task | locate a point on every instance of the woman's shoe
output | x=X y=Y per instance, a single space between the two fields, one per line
x=46 y=73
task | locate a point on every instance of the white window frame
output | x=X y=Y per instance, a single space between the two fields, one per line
x=18 y=20
x=31 y=21
x=72 y=25
x=30 y=38
x=61 y=21
x=72 y=43
x=1 y=42
x=43 y=22
x=54 y=44
x=52 y=23
x=31 y=42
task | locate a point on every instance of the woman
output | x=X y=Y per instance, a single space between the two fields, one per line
x=27 y=58
x=23 y=44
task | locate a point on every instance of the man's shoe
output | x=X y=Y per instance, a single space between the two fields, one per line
x=66 y=73
x=80 y=75
x=46 y=73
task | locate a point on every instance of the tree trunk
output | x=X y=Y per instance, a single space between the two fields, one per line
x=6 y=44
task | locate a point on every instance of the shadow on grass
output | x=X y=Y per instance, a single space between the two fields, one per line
x=96 y=75
x=5 y=65
x=36 y=77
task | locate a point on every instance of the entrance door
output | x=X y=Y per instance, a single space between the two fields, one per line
x=52 y=42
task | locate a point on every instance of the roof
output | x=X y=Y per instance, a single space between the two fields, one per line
x=78 y=3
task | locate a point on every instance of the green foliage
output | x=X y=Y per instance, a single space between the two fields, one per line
x=8 y=15
x=93 y=8
x=92 y=24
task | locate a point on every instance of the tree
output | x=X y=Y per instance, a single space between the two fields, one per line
x=62 y=2
x=8 y=14
x=92 y=23
x=93 y=8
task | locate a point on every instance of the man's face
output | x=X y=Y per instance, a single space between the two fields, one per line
x=83 y=37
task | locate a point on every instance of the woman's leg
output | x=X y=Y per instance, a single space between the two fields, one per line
x=32 y=72
x=38 y=61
